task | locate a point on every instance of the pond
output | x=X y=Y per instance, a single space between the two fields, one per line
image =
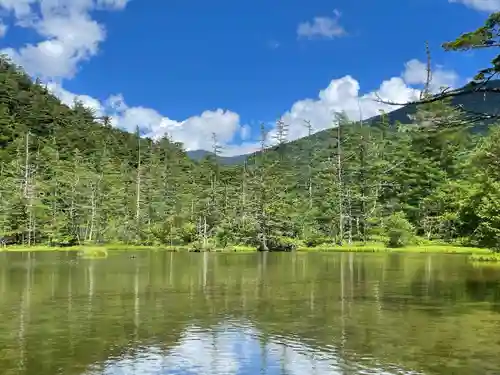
x=183 y=314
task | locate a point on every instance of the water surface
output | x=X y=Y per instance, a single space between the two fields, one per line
x=277 y=314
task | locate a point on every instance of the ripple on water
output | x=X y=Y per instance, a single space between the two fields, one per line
x=237 y=349
x=266 y=314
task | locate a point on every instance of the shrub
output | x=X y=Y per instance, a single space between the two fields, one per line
x=199 y=246
x=399 y=230
x=187 y=233
x=279 y=243
x=317 y=240
x=224 y=236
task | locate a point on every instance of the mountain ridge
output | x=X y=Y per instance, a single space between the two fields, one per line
x=474 y=101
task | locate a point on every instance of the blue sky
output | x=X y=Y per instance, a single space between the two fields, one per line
x=190 y=68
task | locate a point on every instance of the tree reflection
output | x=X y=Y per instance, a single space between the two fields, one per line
x=270 y=313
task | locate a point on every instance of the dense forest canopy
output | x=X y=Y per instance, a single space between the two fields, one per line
x=66 y=178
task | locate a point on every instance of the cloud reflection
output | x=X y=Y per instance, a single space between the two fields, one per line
x=236 y=349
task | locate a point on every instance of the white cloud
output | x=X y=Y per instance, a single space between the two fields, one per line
x=341 y=95
x=69 y=34
x=3 y=29
x=112 y=4
x=20 y=8
x=245 y=132
x=326 y=27
x=240 y=149
x=116 y=103
x=194 y=132
x=69 y=98
x=481 y=5
x=416 y=73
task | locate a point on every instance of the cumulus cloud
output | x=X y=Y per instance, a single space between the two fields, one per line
x=70 y=35
x=20 y=8
x=69 y=98
x=240 y=148
x=321 y=27
x=416 y=73
x=194 y=132
x=481 y=5
x=341 y=95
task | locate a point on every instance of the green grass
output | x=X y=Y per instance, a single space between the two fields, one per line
x=240 y=249
x=489 y=257
x=370 y=247
x=486 y=265
x=93 y=253
x=382 y=248
x=19 y=248
x=86 y=248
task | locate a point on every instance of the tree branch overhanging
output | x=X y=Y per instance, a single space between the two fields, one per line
x=444 y=94
x=447 y=93
x=486 y=36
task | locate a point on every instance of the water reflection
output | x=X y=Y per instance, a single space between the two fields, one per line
x=233 y=348
x=165 y=313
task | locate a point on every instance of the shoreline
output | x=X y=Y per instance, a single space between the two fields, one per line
x=479 y=254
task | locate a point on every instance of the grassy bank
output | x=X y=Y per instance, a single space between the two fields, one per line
x=381 y=247
x=86 y=248
x=477 y=254
x=489 y=257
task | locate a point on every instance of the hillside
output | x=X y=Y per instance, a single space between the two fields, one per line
x=29 y=107
x=65 y=179
x=476 y=102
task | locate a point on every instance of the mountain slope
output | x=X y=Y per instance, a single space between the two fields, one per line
x=476 y=102
x=66 y=179
x=198 y=155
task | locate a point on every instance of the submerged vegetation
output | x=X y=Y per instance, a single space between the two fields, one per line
x=68 y=179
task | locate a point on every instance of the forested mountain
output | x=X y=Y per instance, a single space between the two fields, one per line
x=67 y=179
x=475 y=102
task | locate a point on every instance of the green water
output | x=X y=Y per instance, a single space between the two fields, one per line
x=297 y=314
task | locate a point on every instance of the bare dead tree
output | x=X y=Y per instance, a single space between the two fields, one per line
x=473 y=87
x=262 y=197
x=340 y=183
x=426 y=91
x=309 y=128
